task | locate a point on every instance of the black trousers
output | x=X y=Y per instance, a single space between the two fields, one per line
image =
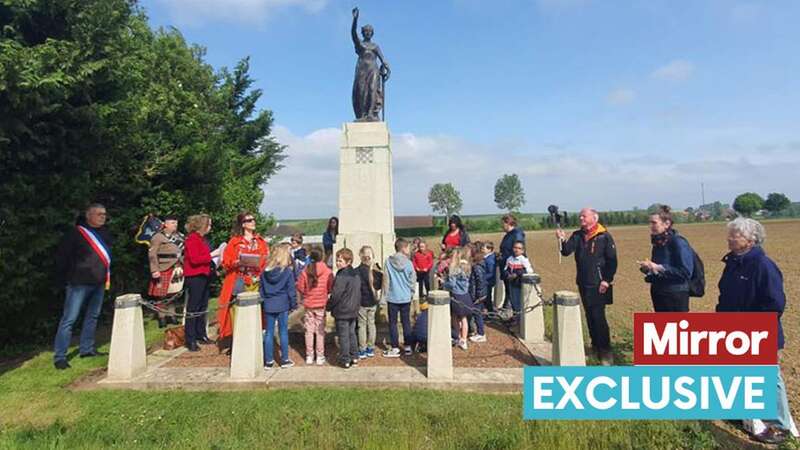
x=348 y=344
x=424 y=280
x=199 y=288
x=665 y=301
x=595 y=310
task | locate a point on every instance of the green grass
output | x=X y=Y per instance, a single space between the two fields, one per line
x=40 y=412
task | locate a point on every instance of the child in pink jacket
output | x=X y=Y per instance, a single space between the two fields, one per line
x=315 y=284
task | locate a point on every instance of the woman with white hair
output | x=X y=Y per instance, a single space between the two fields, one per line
x=752 y=282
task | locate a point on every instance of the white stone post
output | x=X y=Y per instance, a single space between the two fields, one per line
x=440 y=342
x=567 y=330
x=532 y=323
x=127 y=357
x=499 y=288
x=247 y=354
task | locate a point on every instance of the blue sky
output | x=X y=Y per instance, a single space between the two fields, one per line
x=606 y=103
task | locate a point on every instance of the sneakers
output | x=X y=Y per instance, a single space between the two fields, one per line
x=370 y=352
x=408 y=350
x=362 y=354
x=347 y=365
x=286 y=364
x=393 y=353
x=354 y=363
x=269 y=365
x=320 y=360
x=61 y=364
x=478 y=338
x=772 y=435
x=462 y=344
x=309 y=360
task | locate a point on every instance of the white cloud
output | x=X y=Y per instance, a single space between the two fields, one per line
x=621 y=96
x=308 y=186
x=196 y=12
x=677 y=70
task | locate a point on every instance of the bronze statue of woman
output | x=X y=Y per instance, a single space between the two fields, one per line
x=369 y=78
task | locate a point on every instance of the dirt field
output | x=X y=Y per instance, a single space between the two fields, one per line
x=632 y=294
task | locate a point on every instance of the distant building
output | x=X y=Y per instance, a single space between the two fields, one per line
x=412 y=226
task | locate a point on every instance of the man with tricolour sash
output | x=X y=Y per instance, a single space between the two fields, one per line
x=83 y=263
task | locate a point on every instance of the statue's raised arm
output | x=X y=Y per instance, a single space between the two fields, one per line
x=354 y=31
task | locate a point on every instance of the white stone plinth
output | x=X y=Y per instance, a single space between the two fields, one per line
x=440 y=343
x=247 y=354
x=532 y=323
x=366 y=206
x=499 y=295
x=127 y=357
x=567 y=330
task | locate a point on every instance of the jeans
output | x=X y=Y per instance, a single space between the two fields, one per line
x=269 y=336
x=515 y=296
x=784 y=419
x=489 y=302
x=348 y=345
x=366 y=327
x=507 y=300
x=478 y=316
x=199 y=290
x=403 y=309
x=77 y=296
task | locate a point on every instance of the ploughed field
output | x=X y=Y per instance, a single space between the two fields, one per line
x=632 y=294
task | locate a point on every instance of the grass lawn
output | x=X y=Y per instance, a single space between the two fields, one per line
x=39 y=411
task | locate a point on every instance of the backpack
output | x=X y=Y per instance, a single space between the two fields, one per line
x=697 y=282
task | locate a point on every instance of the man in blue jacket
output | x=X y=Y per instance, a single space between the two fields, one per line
x=513 y=234
x=752 y=282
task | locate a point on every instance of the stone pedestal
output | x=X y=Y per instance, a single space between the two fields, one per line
x=440 y=346
x=567 y=330
x=499 y=294
x=127 y=357
x=247 y=354
x=366 y=206
x=532 y=323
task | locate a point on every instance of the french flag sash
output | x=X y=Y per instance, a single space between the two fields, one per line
x=100 y=248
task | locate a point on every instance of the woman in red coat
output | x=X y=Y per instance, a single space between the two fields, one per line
x=197 y=272
x=244 y=259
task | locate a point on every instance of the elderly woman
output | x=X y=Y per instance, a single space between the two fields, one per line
x=751 y=282
x=671 y=267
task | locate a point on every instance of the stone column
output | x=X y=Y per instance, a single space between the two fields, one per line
x=247 y=354
x=532 y=323
x=567 y=330
x=499 y=289
x=127 y=357
x=440 y=344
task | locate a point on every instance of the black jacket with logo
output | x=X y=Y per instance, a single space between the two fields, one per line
x=595 y=260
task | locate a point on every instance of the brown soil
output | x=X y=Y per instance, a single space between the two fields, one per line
x=501 y=350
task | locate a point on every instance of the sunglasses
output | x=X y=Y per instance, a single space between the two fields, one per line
x=249 y=220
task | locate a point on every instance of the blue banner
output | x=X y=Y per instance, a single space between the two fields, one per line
x=650 y=392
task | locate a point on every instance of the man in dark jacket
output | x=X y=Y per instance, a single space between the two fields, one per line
x=596 y=261
x=752 y=282
x=344 y=305
x=513 y=234
x=83 y=262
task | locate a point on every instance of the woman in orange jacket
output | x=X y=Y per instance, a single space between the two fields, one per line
x=244 y=259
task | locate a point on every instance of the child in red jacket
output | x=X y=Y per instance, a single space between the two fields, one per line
x=423 y=263
x=315 y=284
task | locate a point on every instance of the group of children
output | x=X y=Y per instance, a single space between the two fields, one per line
x=353 y=295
